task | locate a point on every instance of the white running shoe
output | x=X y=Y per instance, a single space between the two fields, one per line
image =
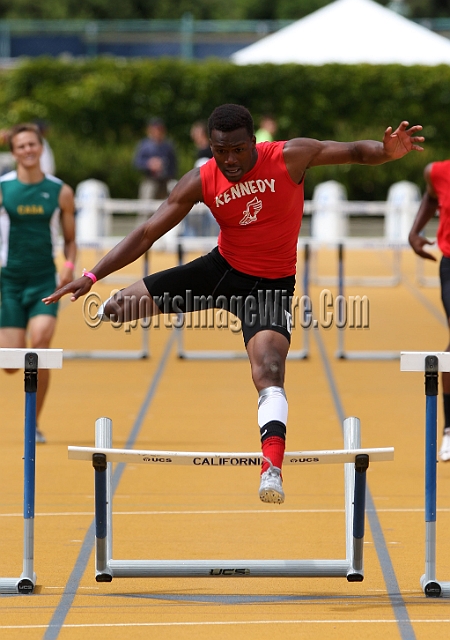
x=271 y=487
x=444 y=452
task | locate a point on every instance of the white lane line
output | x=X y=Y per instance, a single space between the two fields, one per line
x=213 y=512
x=222 y=623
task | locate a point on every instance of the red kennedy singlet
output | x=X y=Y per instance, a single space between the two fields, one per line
x=440 y=179
x=260 y=216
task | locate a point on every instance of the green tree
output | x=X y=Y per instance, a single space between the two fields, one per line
x=124 y=10
x=98 y=107
x=296 y=9
x=429 y=8
x=200 y=9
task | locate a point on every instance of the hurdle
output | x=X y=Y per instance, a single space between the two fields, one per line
x=391 y=280
x=30 y=360
x=356 y=462
x=185 y=354
x=124 y=354
x=423 y=280
x=430 y=364
x=331 y=212
x=342 y=353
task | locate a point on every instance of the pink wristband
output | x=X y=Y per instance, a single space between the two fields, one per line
x=90 y=275
x=69 y=265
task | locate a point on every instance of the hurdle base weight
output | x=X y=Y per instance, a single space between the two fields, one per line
x=431 y=589
x=23 y=586
x=26 y=585
x=355 y=577
x=103 y=577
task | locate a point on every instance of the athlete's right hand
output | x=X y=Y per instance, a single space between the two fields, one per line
x=418 y=243
x=78 y=288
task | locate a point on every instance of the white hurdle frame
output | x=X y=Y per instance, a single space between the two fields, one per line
x=423 y=280
x=356 y=461
x=31 y=360
x=187 y=243
x=341 y=352
x=123 y=354
x=391 y=280
x=431 y=364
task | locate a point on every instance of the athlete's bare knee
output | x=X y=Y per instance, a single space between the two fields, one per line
x=267 y=351
x=126 y=306
x=41 y=342
x=113 y=308
x=269 y=371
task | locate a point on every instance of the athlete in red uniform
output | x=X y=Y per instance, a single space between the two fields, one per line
x=250 y=216
x=437 y=196
x=255 y=193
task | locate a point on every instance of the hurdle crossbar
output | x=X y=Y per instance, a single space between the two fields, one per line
x=342 y=353
x=356 y=461
x=123 y=354
x=214 y=459
x=430 y=363
x=30 y=360
x=16 y=358
x=214 y=354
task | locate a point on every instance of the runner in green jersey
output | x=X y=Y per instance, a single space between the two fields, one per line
x=33 y=208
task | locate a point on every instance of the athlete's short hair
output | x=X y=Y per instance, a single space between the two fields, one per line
x=229 y=117
x=19 y=128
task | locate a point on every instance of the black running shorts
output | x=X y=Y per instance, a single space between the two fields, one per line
x=209 y=282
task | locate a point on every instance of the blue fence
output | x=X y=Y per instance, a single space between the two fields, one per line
x=186 y=38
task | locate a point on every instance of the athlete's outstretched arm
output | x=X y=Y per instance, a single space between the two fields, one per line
x=302 y=153
x=185 y=194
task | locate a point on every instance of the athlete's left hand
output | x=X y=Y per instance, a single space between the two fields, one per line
x=403 y=140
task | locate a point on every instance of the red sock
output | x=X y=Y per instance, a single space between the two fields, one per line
x=273 y=448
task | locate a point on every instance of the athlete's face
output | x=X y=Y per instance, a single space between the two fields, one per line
x=27 y=149
x=234 y=152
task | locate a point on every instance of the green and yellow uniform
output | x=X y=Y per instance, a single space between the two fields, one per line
x=29 y=228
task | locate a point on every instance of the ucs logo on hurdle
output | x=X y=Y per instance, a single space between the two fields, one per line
x=229 y=572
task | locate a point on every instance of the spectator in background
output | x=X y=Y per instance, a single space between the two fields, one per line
x=267 y=129
x=199 y=136
x=155 y=158
x=201 y=223
x=47 y=157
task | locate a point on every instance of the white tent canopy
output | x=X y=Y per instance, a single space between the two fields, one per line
x=350 y=32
